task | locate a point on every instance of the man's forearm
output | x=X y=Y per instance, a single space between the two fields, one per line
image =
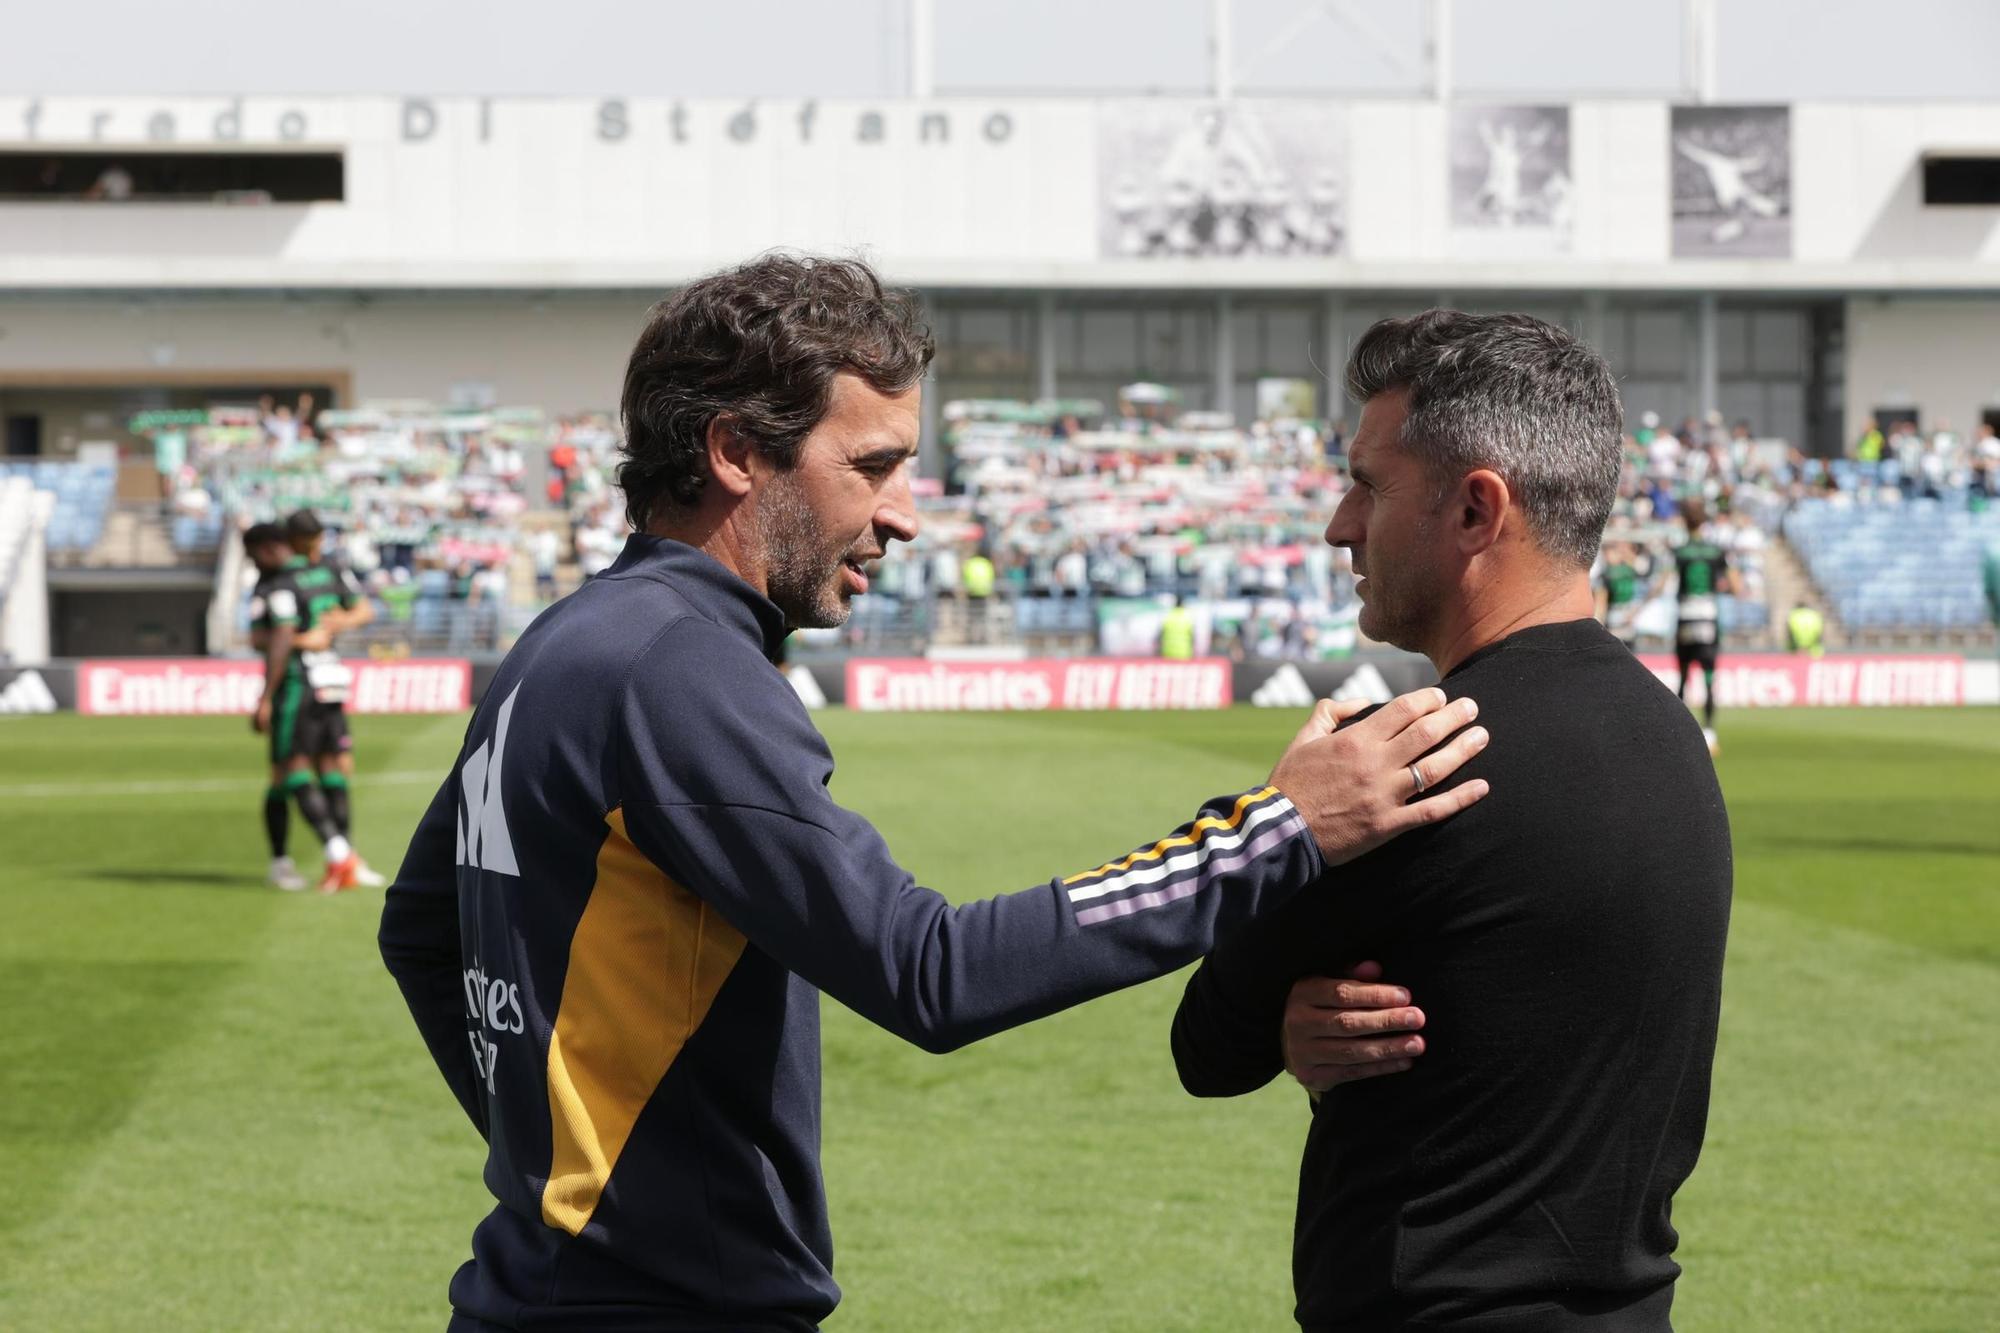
x=829 y=903
x=276 y=657
x=419 y=940
x=1221 y=1048
x=1226 y=1033
x=419 y=943
x=341 y=619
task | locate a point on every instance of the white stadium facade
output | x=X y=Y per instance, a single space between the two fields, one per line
x=1793 y=224
x=454 y=220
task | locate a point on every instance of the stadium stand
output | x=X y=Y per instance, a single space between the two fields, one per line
x=426 y=507
x=1887 y=564
x=83 y=494
x=462 y=524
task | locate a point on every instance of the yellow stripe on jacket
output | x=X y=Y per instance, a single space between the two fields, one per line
x=1202 y=827
x=645 y=964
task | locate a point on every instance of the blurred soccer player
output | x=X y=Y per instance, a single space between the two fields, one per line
x=265 y=545
x=1621 y=591
x=617 y=915
x=284 y=626
x=1520 y=1179
x=1704 y=576
x=341 y=605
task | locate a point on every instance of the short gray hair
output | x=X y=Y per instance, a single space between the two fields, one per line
x=1512 y=394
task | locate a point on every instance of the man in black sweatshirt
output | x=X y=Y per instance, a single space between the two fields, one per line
x=615 y=919
x=1563 y=939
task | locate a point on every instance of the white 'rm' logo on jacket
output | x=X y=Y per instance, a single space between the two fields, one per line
x=483 y=840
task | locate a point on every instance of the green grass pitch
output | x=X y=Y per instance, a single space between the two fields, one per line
x=214 y=1113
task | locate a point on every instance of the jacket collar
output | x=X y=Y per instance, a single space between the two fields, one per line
x=703 y=580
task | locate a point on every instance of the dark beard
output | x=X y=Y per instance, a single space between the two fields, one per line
x=803 y=576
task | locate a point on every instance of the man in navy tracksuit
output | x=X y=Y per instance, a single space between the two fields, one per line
x=615 y=917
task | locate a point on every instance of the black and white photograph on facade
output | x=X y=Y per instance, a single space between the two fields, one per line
x=1732 y=181
x=1510 y=180
x=1221 y=181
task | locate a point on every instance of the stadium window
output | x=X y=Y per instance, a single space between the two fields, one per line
x=1778 y=342
x=1659 y=342
x=1290 y=343
x=146 y=175
x=984 y=341
x=1176 y=341
x=1959 y=179
x=1612 y=339
x=1732 y=342
x=1108 y=341
x=1246 y=329
x=1892 y=415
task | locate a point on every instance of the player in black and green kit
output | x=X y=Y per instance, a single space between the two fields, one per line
x=341 y=606
x=1704 y=577
x=1621 y=589
x=284 y=623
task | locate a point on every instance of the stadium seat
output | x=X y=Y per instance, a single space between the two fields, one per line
x=1898 y=565
x=83 y=494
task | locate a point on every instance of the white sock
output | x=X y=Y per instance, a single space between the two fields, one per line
x=337 y=849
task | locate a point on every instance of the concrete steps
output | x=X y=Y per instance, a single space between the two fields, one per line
x=134 y=538
x=1787 y=584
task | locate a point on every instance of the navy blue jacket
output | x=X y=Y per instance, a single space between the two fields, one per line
x=614 y=921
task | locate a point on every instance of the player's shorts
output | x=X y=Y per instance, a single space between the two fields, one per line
x=287 y=711
x=304 y=729
x=324 y=730
x=1696 y=642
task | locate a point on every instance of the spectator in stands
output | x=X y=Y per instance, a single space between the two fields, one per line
x=1334 y=443
x=280 y=425
x=1805 y=630
x=359 y=552
x=1869 y=446
x=1986 y=461
x=398 y=593
x=1663 y=455
x=1177 y=633
x=545 y=548
x=490 y=589
x=945 y=575
x=1938 y=461
x=1907 y=448
x=1242 y=638
x=1072 y=572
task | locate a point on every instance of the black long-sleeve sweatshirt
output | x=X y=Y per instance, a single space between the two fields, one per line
x=1564 y=938
x=617 y=915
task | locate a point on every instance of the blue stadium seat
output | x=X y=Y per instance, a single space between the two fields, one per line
x=1910 y=565
x=83 y=494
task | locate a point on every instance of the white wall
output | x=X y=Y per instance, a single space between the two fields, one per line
x=564 y=353
x=578 y=193
x=1766 y=50
x=1942 y=355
